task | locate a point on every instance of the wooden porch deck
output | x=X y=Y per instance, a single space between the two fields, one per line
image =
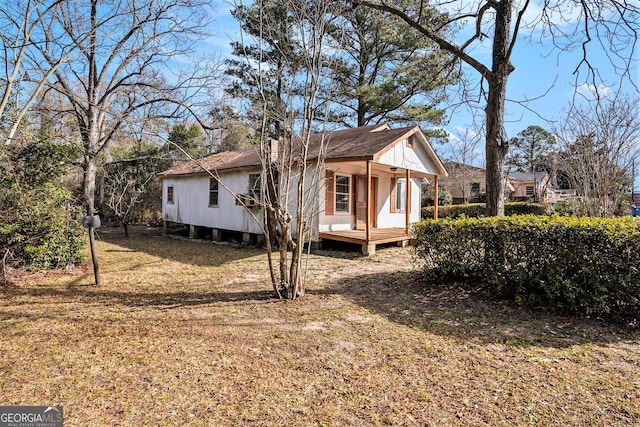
x=377 y=236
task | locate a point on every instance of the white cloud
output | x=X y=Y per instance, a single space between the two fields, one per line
x=592 y=92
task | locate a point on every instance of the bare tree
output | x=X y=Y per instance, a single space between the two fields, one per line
x=599 y=144
x=464 y=151
x=612 y=24
x=122 y=49
x=129 y=180
x=125 y=194
x=26 y=27
x=291 y=166
x=119 y=70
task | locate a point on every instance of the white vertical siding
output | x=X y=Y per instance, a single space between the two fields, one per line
x=388 y=219
x=191 y=203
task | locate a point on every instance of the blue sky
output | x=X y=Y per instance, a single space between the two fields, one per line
x=544 y=78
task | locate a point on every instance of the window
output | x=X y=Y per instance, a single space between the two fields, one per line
x=401 y=194
x=343 y=184
x=170 y=194
x=475 y=188
x=255 y=186
x=529 y=190
x=213 y=192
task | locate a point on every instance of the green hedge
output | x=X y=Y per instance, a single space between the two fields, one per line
x=568 y=264
x=477 y=210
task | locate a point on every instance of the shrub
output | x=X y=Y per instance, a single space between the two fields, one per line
x=568 y=264
x=444 y=197
x=477 y=210
x=527 y=208
x=44 y=230
x=39 y=224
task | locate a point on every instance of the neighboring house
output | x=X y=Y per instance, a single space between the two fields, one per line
x=465 y=182
x=362 y=196
x=530 y=186
x=562 y=195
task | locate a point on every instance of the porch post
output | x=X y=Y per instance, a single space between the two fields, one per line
x=367 y=221
x=435 y=197
x=407 y=201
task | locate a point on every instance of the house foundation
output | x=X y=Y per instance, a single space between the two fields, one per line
x=403 y=243
x=368 y=250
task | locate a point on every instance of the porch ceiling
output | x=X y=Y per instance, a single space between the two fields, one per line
x=380 y=168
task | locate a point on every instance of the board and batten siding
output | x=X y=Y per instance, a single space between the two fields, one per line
x=191 y=203
x=409 y=156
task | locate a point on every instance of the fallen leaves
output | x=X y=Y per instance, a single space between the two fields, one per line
x=183 y=333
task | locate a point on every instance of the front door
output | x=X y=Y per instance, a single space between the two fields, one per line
x=361 y=202
x=373 y=220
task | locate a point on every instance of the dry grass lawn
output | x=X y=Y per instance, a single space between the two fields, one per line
x=186 y=333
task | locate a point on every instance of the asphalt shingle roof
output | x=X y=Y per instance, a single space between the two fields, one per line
x=357 y=143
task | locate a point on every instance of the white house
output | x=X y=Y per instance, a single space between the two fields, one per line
x=362 y=195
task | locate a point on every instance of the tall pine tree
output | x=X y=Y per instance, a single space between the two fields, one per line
x=388 y=72
x=264 y=68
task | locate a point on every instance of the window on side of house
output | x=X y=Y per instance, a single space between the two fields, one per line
x=529 y=190
x=342 y=194
x=255 y=186
x=475 y=188
x=213 y=192
x=401 y=194
x=170 y=194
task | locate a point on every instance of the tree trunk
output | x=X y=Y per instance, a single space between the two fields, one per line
x=497 y=145
x=283 y=243
x=89 y=182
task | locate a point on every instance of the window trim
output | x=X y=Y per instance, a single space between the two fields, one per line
x=257 y=182
x=170 y=195
x=215 y=191
x=336 y=194
x=400 y=196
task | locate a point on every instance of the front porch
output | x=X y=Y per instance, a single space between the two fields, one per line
x=377 y=236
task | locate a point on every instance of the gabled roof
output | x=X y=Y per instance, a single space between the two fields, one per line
x=450 y=164
x=362 y=143
x=527 y=177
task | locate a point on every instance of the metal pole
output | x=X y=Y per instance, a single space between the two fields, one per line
x=94 y=256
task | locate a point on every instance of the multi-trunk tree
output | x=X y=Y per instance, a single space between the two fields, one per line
x=129 y=181
x=284 y=66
